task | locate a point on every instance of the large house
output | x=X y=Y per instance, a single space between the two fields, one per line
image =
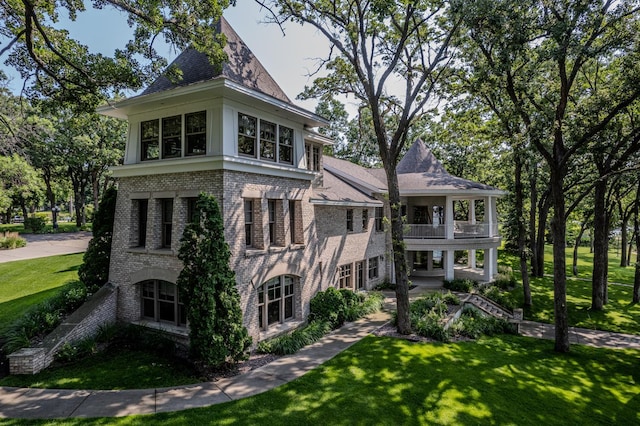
x=296 y=221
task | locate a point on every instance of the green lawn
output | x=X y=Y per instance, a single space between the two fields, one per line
x=136 y=370
x=25 y=283
x=62 y=227
x=619 y=315
x=386 y=381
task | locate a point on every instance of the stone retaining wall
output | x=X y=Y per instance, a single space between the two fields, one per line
x=100 y=309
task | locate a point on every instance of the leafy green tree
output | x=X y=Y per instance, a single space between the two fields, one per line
x=549 y=56
x=390 y=56
x=208 y=289
x=94 y=271
x=63 y=69
x=21 y=185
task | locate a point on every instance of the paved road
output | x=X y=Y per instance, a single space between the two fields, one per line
x=43 y=245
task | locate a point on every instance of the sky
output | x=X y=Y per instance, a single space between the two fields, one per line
x=288 y=58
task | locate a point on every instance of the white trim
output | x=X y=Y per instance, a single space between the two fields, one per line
x=322 y=202
x=458 y=194
x=206 y=163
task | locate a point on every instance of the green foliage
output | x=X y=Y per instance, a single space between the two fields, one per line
x=450 y=298
x=94 y=271
x=504 y=281
x=430 y=325
x=43 y=317
x=329 y=306
x=11 y=240
x=292 y=342
x=502 y=298
x=35 y=224
x=208 y=289
x=474 y=324
x=460 y=284
x=70 y=352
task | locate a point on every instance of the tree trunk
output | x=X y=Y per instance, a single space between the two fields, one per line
x=558 y=227
x=576 y=245
x=399 y=260
x=623 y=238
x=533 y=201
x=600 y=245
x=630 y=248
x=522 y=246
x=543 y=214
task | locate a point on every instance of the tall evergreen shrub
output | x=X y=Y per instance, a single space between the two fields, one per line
x=94 y=271
x=208 y=289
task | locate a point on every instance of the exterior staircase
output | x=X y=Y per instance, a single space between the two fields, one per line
x=488 y=306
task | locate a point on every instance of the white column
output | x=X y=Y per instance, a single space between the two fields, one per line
x=430 y=261
x=489 y=264
x=448 y=217
x=448 y=259
x=490 y=212
x=472 y=212
x=495 y=260
x=471 y=261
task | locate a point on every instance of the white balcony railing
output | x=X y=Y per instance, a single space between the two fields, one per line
x=460 y=230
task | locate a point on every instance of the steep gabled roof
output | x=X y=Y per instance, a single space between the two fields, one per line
x=420 y=159
x=241 y=67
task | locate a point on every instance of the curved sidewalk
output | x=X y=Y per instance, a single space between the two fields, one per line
x=51 y=403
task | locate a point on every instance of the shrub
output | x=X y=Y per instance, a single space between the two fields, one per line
x=35 y=223
x=459 y=284
x=328 y=305
x=11 y=240
x=504 y=281
x=502 y=298
x=94 y=271
x=293 y=342
x=44 y=317
x=450 y=298
x=474 y=324
x=77 y=350
x=431 y=325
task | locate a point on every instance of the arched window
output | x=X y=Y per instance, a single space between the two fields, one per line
x=276 y=301
x=160 y=302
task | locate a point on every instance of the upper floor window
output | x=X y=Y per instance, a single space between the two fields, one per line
x=271 y=204
x=379 y=216
x=193 y=214
x=285 y=145
x=267 y=141
x=167 y=221
x=196 y=132
x=248 y=223
x=350 y=220
x=140 y=210
x=365 y=219
x=164 y=138
x=312 y=153
x=150 y=134
x=171 y=137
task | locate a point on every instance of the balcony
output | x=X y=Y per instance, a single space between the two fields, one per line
x=460 y=230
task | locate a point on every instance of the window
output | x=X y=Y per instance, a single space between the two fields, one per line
x=160 y=302
x=248 y=223
x=141 y=210
x=295 y=221
x=349 y=220
x=272 y=221
x=344 y=276
x=246 y=135
x=192 y=210
x=373 y=268
x=378 y=220
x=150 y=134
x=312 y=153
x=360 y=275
x=267 y=141
x=171 y=137
x=285 y=145
x=167 y=222
x=365 y=219
x=276 y=301
x=196 y=132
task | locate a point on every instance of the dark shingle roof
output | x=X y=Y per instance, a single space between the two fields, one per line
x=420 y=159
x=241 y=67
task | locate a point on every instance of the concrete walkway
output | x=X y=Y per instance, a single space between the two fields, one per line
x=50 y=403
x=43 y=245
x=582 y=336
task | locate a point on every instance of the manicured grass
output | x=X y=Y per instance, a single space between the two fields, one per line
x=619 y=315
x=62 y=227
x=112 y=369
x=25 y=283
x=386 y=381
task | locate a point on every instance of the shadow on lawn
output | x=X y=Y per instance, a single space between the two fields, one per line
x=502 y=380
